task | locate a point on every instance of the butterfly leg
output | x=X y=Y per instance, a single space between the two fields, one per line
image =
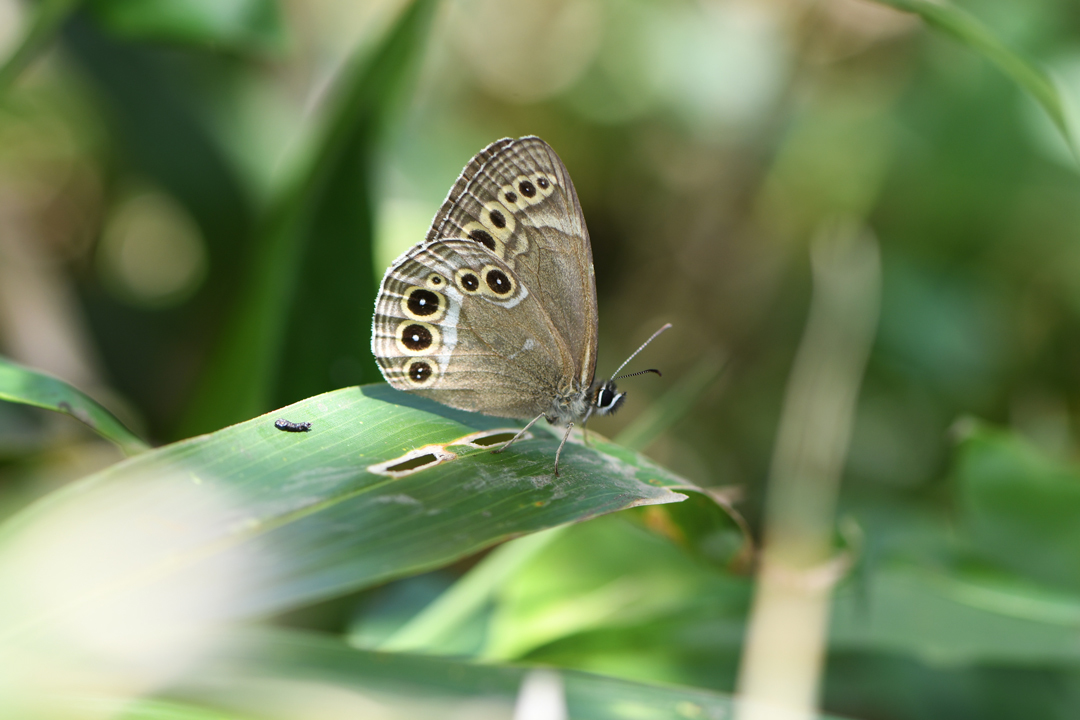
x=521 y=432
x=585 y=430
x=569 y=427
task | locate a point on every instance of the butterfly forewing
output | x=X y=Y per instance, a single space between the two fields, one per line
x=496 y=310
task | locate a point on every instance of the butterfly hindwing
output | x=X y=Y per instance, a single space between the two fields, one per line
x=455 y=323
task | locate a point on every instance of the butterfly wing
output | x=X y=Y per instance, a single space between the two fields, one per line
x=516 y=198
x=456 y=324
x=513 y=209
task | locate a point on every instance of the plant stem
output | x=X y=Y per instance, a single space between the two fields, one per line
x=786 y=638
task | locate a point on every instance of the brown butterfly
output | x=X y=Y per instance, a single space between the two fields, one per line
x=495 y=311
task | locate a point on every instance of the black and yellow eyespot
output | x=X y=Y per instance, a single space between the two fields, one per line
x=485 y=236
x=417 y=338
x=422 y=304
x=435 y=281
x=468 y=281
x=420 y=373
x=544 y=182
x=512 y=197
x=498 y=220
x=497 y=282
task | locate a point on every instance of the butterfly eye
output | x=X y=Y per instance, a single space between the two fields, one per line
x=606 y=398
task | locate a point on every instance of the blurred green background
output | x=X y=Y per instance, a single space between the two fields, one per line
x=197 y=200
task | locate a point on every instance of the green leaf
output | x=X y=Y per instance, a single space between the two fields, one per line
x=437 y=628
x=968 y=31
x=301 y=326
x=957 y=618
x=251 y=520
x=433 y=629
x=605 y=574
x=942 y=620
x=241 y=24
x=1019 y=507
x=29 y=387
x=39 y=31
x=608 y=597
x=285 y=674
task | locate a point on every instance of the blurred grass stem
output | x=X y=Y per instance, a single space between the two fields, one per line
x=786 y=639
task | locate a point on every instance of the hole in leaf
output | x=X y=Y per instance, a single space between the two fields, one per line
x=496 y=439
x=413 y=461
x=488 y=438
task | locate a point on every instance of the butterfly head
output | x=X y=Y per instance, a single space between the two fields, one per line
x=607 y=398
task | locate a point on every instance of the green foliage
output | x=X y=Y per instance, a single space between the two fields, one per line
x=316 y=506
x=253 y=572
x=27 y=387
x=1013 y=498
x=239 y=24
x=295 y=330
x=448 y=686
x=36 y=35
x=959 y=25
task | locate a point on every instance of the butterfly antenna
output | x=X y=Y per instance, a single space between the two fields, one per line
x=641 y=372
x=653 y=337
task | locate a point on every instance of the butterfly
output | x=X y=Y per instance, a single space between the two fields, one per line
x=495 y=311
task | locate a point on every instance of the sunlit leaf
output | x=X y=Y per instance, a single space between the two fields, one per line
x=438 y=627
x=29 y=387
x=252 y=520
x=626 y=577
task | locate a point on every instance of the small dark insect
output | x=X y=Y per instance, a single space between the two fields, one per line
x=283 y=424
